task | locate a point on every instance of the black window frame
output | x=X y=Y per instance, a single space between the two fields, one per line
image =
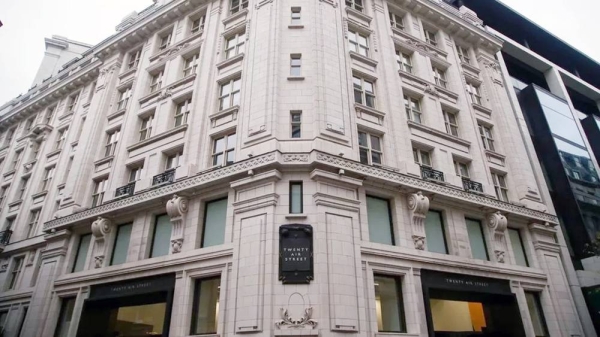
x=293 y=183
x=487 y=253
x=62 y=312
x=402 y=312
x=389 y=216
x=197 y=283
x=154 y=234
x=441 y=213
x=538 y=304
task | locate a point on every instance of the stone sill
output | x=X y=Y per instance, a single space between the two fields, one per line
x=358 y=14
x=296 y=216
x=128 y=72
x=495 y=154
x=412 y=77
x=439 y=133
x=481 y=108
x=235 y=16
x=150 y=96
x=63 y=116
x=116 y=114
x=225 y=112
x=295 y=26
x=295 y=78
x=157 y=137
x=104 y=160
x=15 y=203
x=446 y=91
x=470 y=67
x=10 y=172
x=53 y=153
x=39 y=194
x=230 y=61
x=363 y=59
x=369 y=110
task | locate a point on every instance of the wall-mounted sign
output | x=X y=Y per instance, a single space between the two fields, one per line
x=133 y=287
x=295 y=254
x=460 y=282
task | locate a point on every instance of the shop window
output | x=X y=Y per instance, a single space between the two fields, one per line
x=477 y=240
x=434 y=231
x=205 y=312
x=537 y=315
x=65 y=317
x=121 y=246
x=457 y=316
x=296 y=200
x=215 y=215
x=379 y=218
x=161 y=236
x=517 y=247
x=389 y=304
x=82 y=251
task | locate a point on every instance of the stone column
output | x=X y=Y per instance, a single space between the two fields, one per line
x=101 y=228
x=177 y=209
x=497 y=224
x=418 y=204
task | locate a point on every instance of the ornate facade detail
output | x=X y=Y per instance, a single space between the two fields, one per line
x=497 y=224
x=303 y=322
x=418 y=205
x=165 y=94
x=101 y=228
x=330 y=2
x=290 y=158
x=177 y=208
x=430 y=89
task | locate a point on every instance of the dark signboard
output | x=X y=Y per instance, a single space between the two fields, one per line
x=133 y=287
x=295 y=254
x=461 y=282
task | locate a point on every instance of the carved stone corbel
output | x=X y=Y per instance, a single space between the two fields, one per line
x=177 y=207
x=418 y=204
x=497 y=224
x=101 y=228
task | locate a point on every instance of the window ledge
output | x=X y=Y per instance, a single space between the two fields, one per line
x=295 y=78
x=9 y=173
x=295 y=26
x=75 y=143
x=15 y=203
x=439 y=133
x=235 y=16
x=495 y=154
x=104 y=160
x=373 y=111
x=358 y=14
x=116 y=114
x=65 y=115
x=402 y=33
x=224 y=112
x=157 y=137
x=481 y=108
x=53 y=153
x=150 y=96
x=128 y=72
x=446 y=91
x=39 y=194
x=4 y=147
x=363 y=59
x=470 y=67
x=230 y=61
x=296 y=216
x=412 y=77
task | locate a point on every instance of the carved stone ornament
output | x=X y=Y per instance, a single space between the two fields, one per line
x=177 y=208
x=298 y=323
x=100 y=229
x=165 y=94
x=497 y=224
x=432 y=90
x=418 y=204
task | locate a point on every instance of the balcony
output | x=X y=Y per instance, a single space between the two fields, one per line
x=472 y=186
x=166 y=177
x=4 y=238
x=125 y=191
x=431 y=174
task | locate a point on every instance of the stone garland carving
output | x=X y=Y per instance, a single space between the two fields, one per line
x=418 y=204
x=177 y=208
x=304 y=321
x=430 y=89
x=101 y=228
x=497 y=224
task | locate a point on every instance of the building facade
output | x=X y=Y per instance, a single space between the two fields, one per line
x=286 y=167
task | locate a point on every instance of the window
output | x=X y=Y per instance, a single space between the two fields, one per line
x=435 y=234
x=164 y=40
x=296 y=124
x=161 y=236
x=146 y=128
x=396 y=21
x=486 y=137
x=156 y=82
x=190 y=65
x=413 y=109
x=477 y=240
x=134 y=59
x=72 y=103
x=3 y=317
x=82 y=251
x=3 y=193
x=440 y=77
x=576 y=175
x=64 y=318
x=28 y=125
x=119 y=254
x=9 y=223
x=358 y=43
x=173 y=160
x=60 y=139
x=68 y=170
x=404 y=61
x=9 y=136
x=34 y=216
x=215 y=215
x=224 y=150
x=296 y=197
x=237 y=5
x=451 y=123
x=99 y=189
x=235 y=45
x=15 y=272
x=16 y=160
x=205 y=310
x=295 y=65
x=537 y=314
x=356 y=4
x=430 y=37
x=370 y=151
x=22 y=188
x=182 y=112
x=112 y=138
x=21 y=322
x=363 y=92
x=80 y=129
x=379 y=217
x=135 y=174
x=198 y=24
x=473 y=91
x=422 y=157
x=296 y=18
x=500 y=186
x=49 y=114
x=389 y=304
x=516 y=242
x=461 y=169
x=463 y=54
x=123 y=99
x=230 y=94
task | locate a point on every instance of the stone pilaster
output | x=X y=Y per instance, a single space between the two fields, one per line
x=177 y=208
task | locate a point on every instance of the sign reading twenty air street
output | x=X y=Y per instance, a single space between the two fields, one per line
x=295 y=254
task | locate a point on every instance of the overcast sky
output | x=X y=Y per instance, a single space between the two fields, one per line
x=28 y=22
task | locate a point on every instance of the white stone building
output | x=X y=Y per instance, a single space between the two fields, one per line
x=144 y=185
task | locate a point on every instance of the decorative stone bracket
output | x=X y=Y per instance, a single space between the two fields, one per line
x=101 y=228
x=177 y=208
x=497 y=224
x=418 y=204
x=302 y=322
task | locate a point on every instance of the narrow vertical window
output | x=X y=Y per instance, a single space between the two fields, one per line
x=146 y=128
x=198 y=24
x=49 y=115
x=500 y=186
x=461 y=169
x=21 y=322
x=477 y=240
x=396 y=21
x=296 y=124
x=3 y=317
x=518 y=248
x=230 y=94
x=537 y=314
x=182 y=112
x=99 y=189
x=173 y=161
x=451 y=123
x=156 y=81
x=72 y=103
x=474 y=94
x=430 y=37
x=440 y=77
x=47 y=179
x=224 y=150
x=190 y=65
x=15 y=272
x=164 y=41
x=237 y=5
x=60 y=139
x=34 y=217
x=235 y=45
x=435 y=234
x=486 y=137
x=65 y=317
x=134 y=59
x=422 y=157
x=215 y=215
x=82 y=252
x=370 y=149
x=364 y=92
x=22 y=188
x=135 y=173
x=404 y=61
x=356 y=4
x=379 y=219
x=413 y=109
x=295 y=65
x=16 y=160
x=358 y=43
x=389 y=304
x=112 y=138
x=121 y=246
x=463 y=54
x=296 y=199
x=123 y=99
x=161 y=236
x=205 y=310
x=296 y=17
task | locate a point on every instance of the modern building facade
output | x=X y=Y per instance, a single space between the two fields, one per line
x=276 y=168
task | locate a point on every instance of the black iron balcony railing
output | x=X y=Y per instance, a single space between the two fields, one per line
x=126 y=190
x=431 y=174
x=472 y=186
x=165 y=177
x=5 y=237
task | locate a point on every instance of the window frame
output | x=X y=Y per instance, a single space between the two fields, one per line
x=195 y=304
x=23 y=184
x=296 y=65
x=402 y=312
x=439 y=77
x=99 y=190
x=116 y=238
x=418 y=154
x=225 y=151
x=451 y=128
x=165 y=39
x=356 y=5
x=34 y=218
x=390 y=216
x=123 y=99
x=443 y=226
x=145 y=131
x=239 y=46
x=487 y=136
x=201 y=20
x=404 y=61
x=394 y=20
x=79 y=252
x=498 y=186
x=458 y=171
x=61 y=137
x=521 y=243
x=61 y=315
x=72 y=104
x=355 y=45
x=202 y=243
x=365 y=95
x=538 y=304
x=474 y=92
x=112 y=139
x=134 y=59
x=301 y=184
x=152 y=241
x=182 y=112
x=412 y=114
x=156 y=81
x=175 y=158
x=483 y=238
x=463 y=54
x=47 y=178
x=430 y=36
x=241 y=5
x=296 y=11
x=369 y=148
x=229 y=97
x=190 y=64
x=296 y=124
x=16 y=269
